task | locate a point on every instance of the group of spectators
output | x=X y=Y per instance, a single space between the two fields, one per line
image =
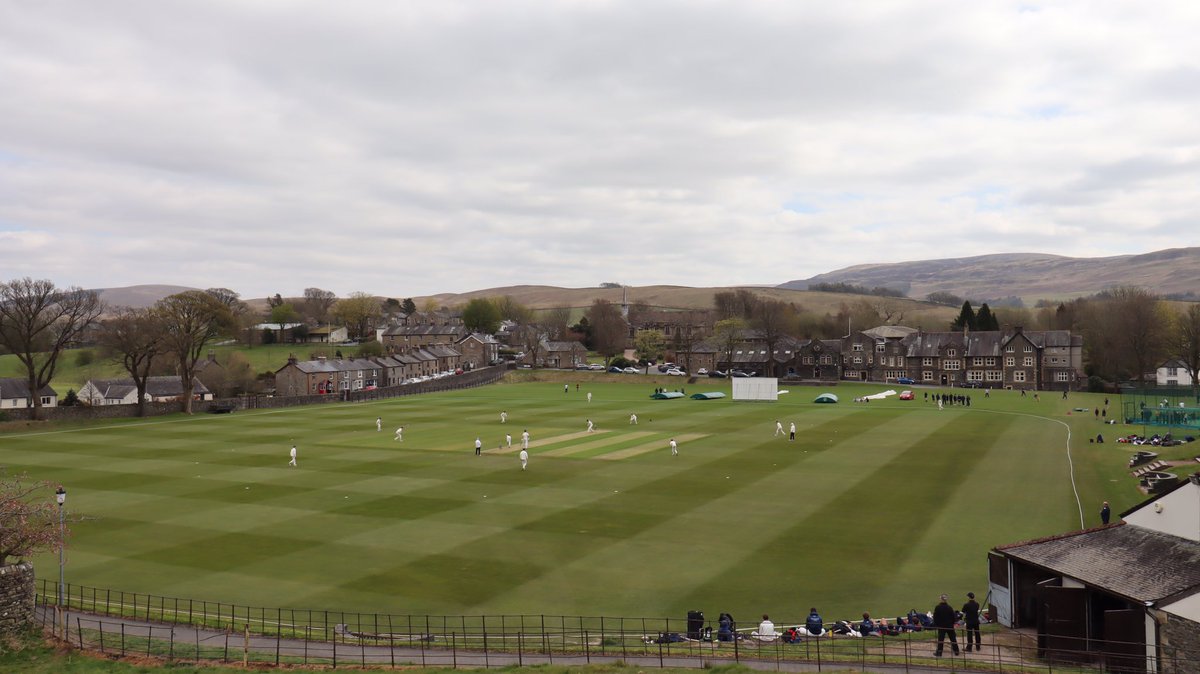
x=948 y=399
x=1165 y=440
x=943 y=618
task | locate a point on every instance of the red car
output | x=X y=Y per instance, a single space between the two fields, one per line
x=906 y=395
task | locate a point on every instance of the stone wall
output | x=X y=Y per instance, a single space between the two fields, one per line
x=1180 y=640
x=16 y=597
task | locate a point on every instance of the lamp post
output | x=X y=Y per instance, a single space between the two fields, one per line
x=61 y=497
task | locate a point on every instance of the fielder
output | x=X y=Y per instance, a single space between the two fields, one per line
x=508 y=439
x=778 y=428
x=674 y=448
x=792 y=431
x=589 y=426
x=378 y=424
x=524 y=459
x=478 y=446
x=293 y=453
x=566 y=389
x=503 y=417
x=399 y=434
x=633 y=420
x=589 y=396
x=525 y=440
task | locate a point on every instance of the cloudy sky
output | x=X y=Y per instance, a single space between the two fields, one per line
x=408 y=148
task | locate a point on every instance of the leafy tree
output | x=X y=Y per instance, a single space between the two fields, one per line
x=966 y=318
x=391 y=305
x=609 y=330
x=370 y=349
x=84 y=357
x=37 y=321
x=556 y=321
x=28 y=519
x=356 y=312
x=71 y=399
x=408 y=306
x=985 y=319
x=610 y=284
x=942 y=297
x=241 y=318
x=284 y=313
x=239 y=374
x=192 y=320
x=481 y=315
x=649 y=343
x=317 y=303
x=135 y=337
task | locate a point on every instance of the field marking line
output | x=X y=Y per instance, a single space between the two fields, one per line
x=1070 y=460
x=648 y=447
x=541 y=442
x=575 y=449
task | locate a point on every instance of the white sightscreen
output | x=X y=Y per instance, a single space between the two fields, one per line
x=755 y=388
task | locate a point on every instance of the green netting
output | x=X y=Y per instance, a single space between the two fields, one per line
x=1167 y=407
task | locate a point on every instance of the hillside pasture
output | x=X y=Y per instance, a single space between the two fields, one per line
x=877 y=507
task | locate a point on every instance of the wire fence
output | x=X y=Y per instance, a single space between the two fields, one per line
x=120 y=623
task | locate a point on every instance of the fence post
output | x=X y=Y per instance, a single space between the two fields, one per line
x=278 y=638
x=122 y=638
x=101 y=625
x=587 y=652
x=736 y=656
x=454 y=648
x=520 y=643
x=79 y=632
x=171 y=644
x=246 y=646
x=197 y=644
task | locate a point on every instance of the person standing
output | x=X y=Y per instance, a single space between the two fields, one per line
x=589 y=396
x=508 y=439
x=1105 y=513
x=399 y=434
x=943 y=620
x=778 y=428
x=791 y=431
x=633 y=420
x=674 y=448
x=525 y=439
x=378 y=424
x=293 y=455
x=503 y=417
x=478 y=446
x=566 y=389
x=524 y=459
x=589 y=430
x=970 y=611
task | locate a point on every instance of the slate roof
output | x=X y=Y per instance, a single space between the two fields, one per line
x=12 y=387
x=158 y=387
x=889 y=332
x=1137 y=563
x=557 y=347
x=424 y=330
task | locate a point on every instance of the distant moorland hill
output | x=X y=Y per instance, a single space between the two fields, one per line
x=1027 y=275
x=137 y=297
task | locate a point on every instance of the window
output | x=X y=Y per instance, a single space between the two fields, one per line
x=1019 y=375
x=995 y=375
x=857 y=360
x=926 y=376
x=1027 y=349
x=951 y=353
x=989 y=362
x=1172 y=371
x=879 y=347
x=977 y=362
x=1027 y=361
x=1010 y=361
x=974 y=375
x=1062 y=376
x=927 y=362
x=807 y=360
x=1009 y=349
x=827 y=359
x=952 y=365
x=45 y=400
x=858 y=347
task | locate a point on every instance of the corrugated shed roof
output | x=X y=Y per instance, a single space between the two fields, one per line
x=1137 y=563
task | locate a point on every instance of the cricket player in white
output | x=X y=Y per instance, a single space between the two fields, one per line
x=674 y=448
x=378 y=423
x=589 y=396
x=525 y=440
x=589 y=426
x=504 y=417
x=778 y=428
x=293 y=454
x=478 y=446
x=508 y=439
x=792 y=431
x=400 y=434
x=524 y=459
x=633 y=420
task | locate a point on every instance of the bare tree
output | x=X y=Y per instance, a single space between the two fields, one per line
x=317 y=303
x=135 y=337
x=28 y=519
x=773 y=319
x=609 y=330
x=890 y=308
x=530 y=338
x=1186 y=340
x=728 y=333
x=191 y=320
x=37 y=321
x=556 y=321
x=740 y=303
x=512 y=310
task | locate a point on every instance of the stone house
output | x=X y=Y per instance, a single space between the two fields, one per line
x=477 y=350
x=401 y=337
x=123 y=391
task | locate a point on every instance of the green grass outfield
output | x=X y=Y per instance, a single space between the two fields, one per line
x=876 y=507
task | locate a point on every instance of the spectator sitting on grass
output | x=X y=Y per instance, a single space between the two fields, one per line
x=868 y=627
x=766 y=629
x=815 y=626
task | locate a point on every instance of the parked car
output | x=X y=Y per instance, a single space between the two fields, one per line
x=906 y=395
x=737 y=373
x=702 y=370
x=583 y=366
x=615 y=370
x=908 y=381
x=631 y=370
x=717 y=374
x=596 y=366
x=676 y=372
